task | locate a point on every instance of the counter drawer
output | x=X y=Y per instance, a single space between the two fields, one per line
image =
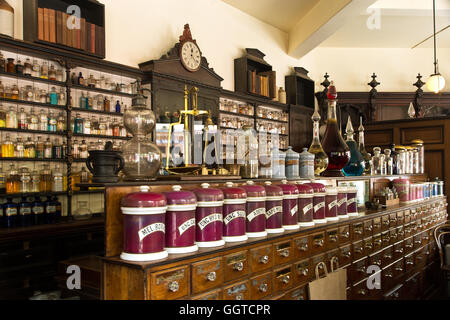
x=282 y=279
x=377 y=242
x=170 y=284
x=207 y=275
x=377 y=227
x=283 y=252
x=358 y=250
x=302 y=247
x=385 y=222
x=368 y=228
x=409 y=262
x=261 y=258
x=261 y=286
x=409 y=245
x=387 y=256
x=368 y=246
x=398 y=268
x=344 y=234
x=302 y=272
x=345 y=255
x=358 y=270
x=300 y=293
x=357 y=231
x=235 y=265
x=318 y=242
x=237 y=291
x=212 y=295
x=332 y=238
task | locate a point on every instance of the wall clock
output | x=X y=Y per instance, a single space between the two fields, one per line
x=190 y=54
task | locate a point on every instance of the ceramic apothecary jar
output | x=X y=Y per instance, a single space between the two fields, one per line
x=274 y=208
x=234 y=214
x=256 y=210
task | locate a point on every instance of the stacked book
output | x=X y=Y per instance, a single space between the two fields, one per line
x=261 y=83
x=53 y=27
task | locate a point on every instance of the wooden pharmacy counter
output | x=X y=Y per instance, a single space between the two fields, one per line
x=399 y=240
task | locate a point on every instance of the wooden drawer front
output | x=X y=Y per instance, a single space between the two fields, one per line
x=282 y=279
x=283 y=252
x=409 y=245
x=400 y=218
x=303 y=272
x=427 y=236
x=393 y=235
x=420 y=225
x=368 y=228
x=207 y=275
x=428 y=253
x=377 y=242
x=377 y=225
x=358 y=270
x=213 y=295
x=357 y=231
x=386 y=239
x=376 y=259
x=261 y=286
x=420 y=258
x=387 y=277
x=417 y=241
x=302 y=247
x=360 y=291
x=400 y=233
x=408 y=230
x=368 y=245
x=237 y=291
x=409 y=262
x=430 y=135
x=318 y=242
x=296 y=294
x=387 y=256
x=398 y=268
x=407 y=214
x=393 y=221
x=358 y=250
x=170 y=284
x=413 y=215
x=385 y=222
x=412 y=287
x=332 y=238
x=345 y=255
x=344 y=234
x=399 y=250
x=235 y=266
x=330 y=255
x=261 y=258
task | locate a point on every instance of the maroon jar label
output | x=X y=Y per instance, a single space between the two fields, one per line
x=341 y=202
x=234 y=215
x=319 y=206
x=307 y=208
x=272 y=211
x=152 y=228
x=186 y=226
x=256 y=213
x=332 y=204
x=202 y=224
x=350 y=201
x=294 y=210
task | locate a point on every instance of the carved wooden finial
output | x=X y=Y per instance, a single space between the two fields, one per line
x=326 y=83
x=419 y=83
x=374 y=83
x=187 y=36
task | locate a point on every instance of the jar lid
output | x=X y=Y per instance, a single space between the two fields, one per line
x=305 y=155
x=207 y=194
x=288 y=189
x=342 y=189
x=332 y=191
x=144 y=199
x=180 y=198
x=417 y=141
x=254 y=191
x=273 y=193
x=291 y=154
x=317 y=187
x=305 y=189
x=233 y=193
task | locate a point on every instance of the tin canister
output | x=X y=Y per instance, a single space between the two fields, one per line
x=319 y=202
x=290 y=206
x=256 y=210
x=279 y=165
x=342 y=202
x=306 y=164
x=234 y=214
x=180 y=221
x=144 y=226
x=352 y=203
x=274 y=208
x=305 y=205
x=331 y=204
x=292 y=164
x=209 y=217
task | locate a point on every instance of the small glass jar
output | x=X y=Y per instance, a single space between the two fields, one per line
x=36 y=69
x=292 y=164
x=82 y=211
x=35 y=181
x=11 y=118
x=44 y=70
x=19 y=67
x=10 y=66
x=57 y=180
x=19 y=149
x=25 y=180
x=28 y=68
x=46 y=179
x=52 y=73
x=306 y=164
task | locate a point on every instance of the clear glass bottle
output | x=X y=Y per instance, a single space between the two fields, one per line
x=12 y=180
x=388 y=162
x=57 y=152
x=52 y=73
x=82 y=211
x=35 y=181
x=61 y=123
x=333 y=144
x=2 y=90
x=19 y=149
x=33 y=121
x=22 y=119
x=30 y=149
x=25 y=180
x=82 y=101
x=15 y=92
x=2 y=116
x=87 y=126
x=102 y=127
x=48 y=149
x=59 y=75
x=62 y=101
x=43 y=121
x=11 y=118
x=44 y=70
x=44 y=97
x=2 y=63
x=46 y=179
x=84 y=150
x=27 y=68
x=362 y=148
x=355 y=167
x=89 y=102
x=321 y=158
x=40 y=148
x=28 y=95
x=75 y=149
x=52 y=122
x=78 y=124
x=247 y=153
x=376 y=162
x=19 y=67
x=57 y=180
x=7 y=147
x=36 y=71
x=109 y=127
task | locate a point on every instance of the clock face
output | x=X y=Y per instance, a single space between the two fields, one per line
x=191 y=57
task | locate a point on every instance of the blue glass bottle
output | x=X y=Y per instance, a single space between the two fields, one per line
x=118 y=106
x=356 y=165
x=10 y=210
x=58 y=209
x=78 y=124
x=50 y=210
x=53 y=96
x=38 y=211
x=25 y=213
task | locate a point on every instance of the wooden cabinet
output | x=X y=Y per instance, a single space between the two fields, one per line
x=283 y=252
x=170 y=284
x=206 y=275
x=235 y=265
x=261 y=286
x=237 y=291
x=261 y=258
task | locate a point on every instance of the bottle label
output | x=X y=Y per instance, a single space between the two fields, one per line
x=350 y=201
x=234 y=215
x=341 y=202
x=319 y=206
x=332 y=204
x=209 y=219
x=50 y=209
x=186 y=226
x=273 y=211
x=38 y=210
x=294 y=210
x=307 y=208
x=152 y=228
x=24 y=211
x=256 y=213
x=11 y=212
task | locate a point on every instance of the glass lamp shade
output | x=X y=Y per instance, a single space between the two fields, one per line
x=436 y=83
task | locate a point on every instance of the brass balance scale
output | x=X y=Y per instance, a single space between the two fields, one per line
x=190 y=169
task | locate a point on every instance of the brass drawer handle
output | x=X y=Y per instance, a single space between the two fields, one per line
x=377 y=225
x=239 y=297
x=388 y=256
x=378 y=262
x=409 y=262
x=303 y=271
x=386 y=239
x=263 y=287
x=418 y=242
x=427 y=253
x=238 y=266
x=319 y=242
x=399 y=269
x=264 y=260
x=345 y=234
x=369 y=228
x=399 y=250
x=359 y=250
x=401 y=233
x=285 y=253
x=388 y=275
x=303 y=247
x=174 y=286
x=362 y=292
x=394 y=220
x=361 y=269
x=347 y=254
x=378 y=242
x=386 y=222
x=369 y=246
x=212 y=276
x=285 y=279
x=358 y=232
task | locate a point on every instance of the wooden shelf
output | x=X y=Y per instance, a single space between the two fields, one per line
x=236 y=114
x=32 y=79
x=34 y=132
x=116 y=114
x=32 y=160
x=272 y=120
x=32 y=103
x=32 y=194
x=300 y=88
x=82 y=135
x=104 y=91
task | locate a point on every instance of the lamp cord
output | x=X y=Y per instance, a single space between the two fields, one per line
x=434 y=36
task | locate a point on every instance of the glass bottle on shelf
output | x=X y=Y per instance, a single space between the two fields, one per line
x=30 y=150
x=107 y=105
x=2 y=90
x=116 y=128
x=388 y=162
x=52 y=122
x=43 y=121
x=44 y=70
x=46 y=179
x=2 y=182
x=61 y=123
x=383 y=164
x=78 y=124
x=362 y=148
x=57 y=180
x=19 y=67
x=247 y=153
x=333 y=144
x=38 y=210
x=82 y=211
x=12 y=180
x=75 y=178
x=117 y=106
x=48 y=149
x=15 y=92
x=28 y=93
x=40 y=148
x=2 y=63
x=82 y=101
x=94 y=126
x=10 y=211
x=89 y=102
x=22 y=122
x=33 y=121
x=62 y=101
x=102 y=126
x=43 y=96
x=25 y=213
x=109 y=127
x=84 y=150
x=92 y=83
x=80 y=80
x=50 y=210
x=355 y=167
x=36 y=69
x=8 y=147
x=87 y=126
x=35 y=181
x=53 y=96
x=25 y=180
x=19 y=149
x=59 y=75
x=63 y=150
x=395 y=159
x=75 y=149
x=2 y=117
x=321 y=158
x=27 y=67
x=11 y=118
x=57 y=149
x=52 y=73
x=85 y=176
x=74 y=78
x=10 y=66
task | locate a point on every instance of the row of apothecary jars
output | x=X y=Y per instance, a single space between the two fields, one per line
x=55 y=96
x=271 y=114
x=33 y=149
x=80 y=149
x=24 y=119
x=102 y=82
x=100 y=102
x=399 y=160
x=234 y=122
x=236 y=107
x=104 y=126
x=271 y=127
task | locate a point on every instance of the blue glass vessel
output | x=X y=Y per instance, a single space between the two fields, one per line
x=356 y=165
x=25 y=213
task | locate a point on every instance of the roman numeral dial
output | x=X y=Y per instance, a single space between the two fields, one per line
x=190 y=55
